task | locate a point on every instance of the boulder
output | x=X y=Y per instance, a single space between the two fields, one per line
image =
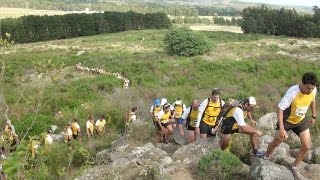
x=307 y=157
x=169 y=148
x=58 y=137
x=316 y=155
x=268 y=122
x=266 y=170
x=311 y=171
x=191 y=153
x=279 y=152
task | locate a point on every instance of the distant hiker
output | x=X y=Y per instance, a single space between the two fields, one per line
x=154 y=111
x=179 y=108
x=58 y=115
x=191 y=117
x=48 y=139
x=90 y=126
x=292 y=111
x=10 y=138
x=209 y=111
x=101 y=125
x=130 y=117
x=75 y=127
x=8 y=124
x=163 y=120
x=68 y=134
x=35 y=143
x=234 y=123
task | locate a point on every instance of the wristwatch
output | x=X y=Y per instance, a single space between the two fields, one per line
x=314 y=117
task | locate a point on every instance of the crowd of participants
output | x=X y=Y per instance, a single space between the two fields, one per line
x=204 y=119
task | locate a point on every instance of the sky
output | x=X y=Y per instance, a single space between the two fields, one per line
x=309 y=3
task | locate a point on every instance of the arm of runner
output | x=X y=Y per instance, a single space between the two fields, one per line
x=244 y=128
x=202 y=107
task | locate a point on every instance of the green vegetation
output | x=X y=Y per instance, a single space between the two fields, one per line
x=43 y=74
x=184 y=42
x=264 y=20
x=219 y=163
x=141 y=6
x=43 y=28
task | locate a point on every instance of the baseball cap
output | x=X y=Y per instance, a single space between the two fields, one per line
x=252 y=101
x=178 y=101
x=157 y=102
x=163 y=101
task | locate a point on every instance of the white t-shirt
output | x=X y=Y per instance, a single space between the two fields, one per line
x=69 y=132
x=290 y=95
x=49 y=139
x=239 y=116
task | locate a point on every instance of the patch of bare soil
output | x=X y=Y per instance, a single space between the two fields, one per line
x=234 y=29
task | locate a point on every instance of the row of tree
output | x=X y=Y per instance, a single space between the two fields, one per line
x=264 y=20
x=42 y=28
x=136 y=6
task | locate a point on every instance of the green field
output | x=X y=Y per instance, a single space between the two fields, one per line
x=43 y=74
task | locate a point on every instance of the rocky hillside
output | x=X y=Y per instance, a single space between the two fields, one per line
x=131 y=159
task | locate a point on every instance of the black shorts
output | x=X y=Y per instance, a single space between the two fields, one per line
x=75 y=136
x=190 y=128
x=206 y=128
x=296 y=128
x=165 y=124
x=157 y=126
x=227 y=126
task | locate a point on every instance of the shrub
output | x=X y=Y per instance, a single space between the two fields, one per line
x=185 y=42
x=41 y=124
x=223 y=163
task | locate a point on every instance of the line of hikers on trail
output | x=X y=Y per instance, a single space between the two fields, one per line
x=213 y=115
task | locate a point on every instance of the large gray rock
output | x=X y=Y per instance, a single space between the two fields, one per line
x=307 y=157
x=266 y=170
x=169 y=148
x=58 y=137
x=279 y=152
x=191 y=153
x=316 y=155
x=268 y=122
x=311 y=171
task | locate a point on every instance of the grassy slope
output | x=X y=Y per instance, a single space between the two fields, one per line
x=241 y=65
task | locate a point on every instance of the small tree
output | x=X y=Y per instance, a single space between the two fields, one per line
x=185 y=42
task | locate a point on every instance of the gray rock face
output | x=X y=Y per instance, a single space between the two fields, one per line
x=311 y=171
x=316 y=155
x=268 y=122
x=279 y=152
x=266 y=170
x=307 y=157
x=191 y=153
x=58 y=137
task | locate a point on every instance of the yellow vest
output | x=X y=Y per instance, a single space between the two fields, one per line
x=230 y=115
x=156 y=111
x=193 y=117
x=165 y=117
x=101 y=125
x=299 y=107
x=211 y=113
x=91 y=127
x=74 y=128
x=178 y=110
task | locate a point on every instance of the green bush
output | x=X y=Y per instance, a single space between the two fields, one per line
x=185 y=42
x=222 y=162
x=38 y=123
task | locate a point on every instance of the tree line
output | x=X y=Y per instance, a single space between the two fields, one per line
x=136 y=6
x=264 y=20
x=42 y=28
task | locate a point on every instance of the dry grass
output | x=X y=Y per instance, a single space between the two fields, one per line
x=234 y=29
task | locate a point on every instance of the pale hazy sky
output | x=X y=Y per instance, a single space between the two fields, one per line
x=309 y=3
